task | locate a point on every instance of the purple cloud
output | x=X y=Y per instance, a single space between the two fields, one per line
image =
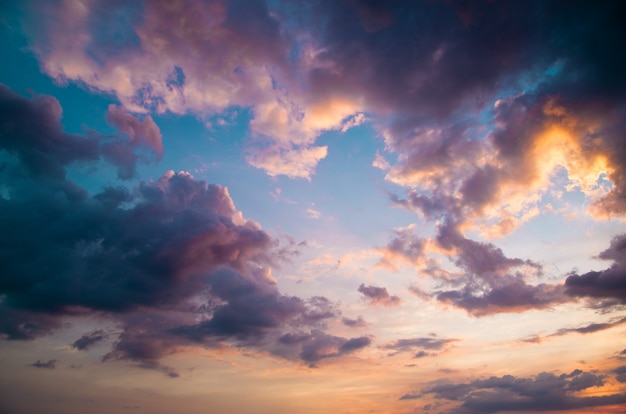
x=90 y=339
x=144 y=257
x=354 y=323
x=590 y=328
x=545 y=391
x=490 y=282
x=606 y=284
x=405 y=245
x=378 y=295
x=32 y=131
x=141 y=133
x=427 y=343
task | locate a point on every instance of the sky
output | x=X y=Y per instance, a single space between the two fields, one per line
x=312 y=207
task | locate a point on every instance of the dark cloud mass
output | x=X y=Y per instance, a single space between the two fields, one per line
x=142 y=256
x=31 y=130
x=493 y=282
x=544 y=392
x=608 y=283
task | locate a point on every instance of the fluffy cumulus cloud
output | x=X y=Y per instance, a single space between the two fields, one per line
x=172 y=260
x=486 y=113
x=522 y=64
x=545 y=391
x=200 y=57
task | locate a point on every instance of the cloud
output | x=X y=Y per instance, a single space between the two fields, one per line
x=545 y=391
x=354 y=121
x=193 y=228
x=489 y=282
x=88 y=340
x=19 y=324
x=606 y=284
x=50 y=364
x=317 y=345
x=32 y=131
x=292 y=162
x=312 y=213
x=591 y=328
x=583 y=330
x=423 y=97
x=620 y=373
x=513 y=295
x=406 y=246
x=172 y=260
x=141 y=133
x=151 y=64
x=427 y=343
x=378 y=295
x=354 y=323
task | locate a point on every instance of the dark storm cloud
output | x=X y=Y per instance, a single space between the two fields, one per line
x=545 y=391
x=108 y=258
x=31 y=130
x=378 y=295
x=19 y=324
x=155 y=258
x=571 y=81
x=424 y=61
x=609 y=283
x=428 y=62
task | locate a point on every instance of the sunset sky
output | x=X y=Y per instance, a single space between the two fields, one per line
x=312 y=207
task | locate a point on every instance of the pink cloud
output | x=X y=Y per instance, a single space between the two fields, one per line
x=141 y=133
x=378 y=295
